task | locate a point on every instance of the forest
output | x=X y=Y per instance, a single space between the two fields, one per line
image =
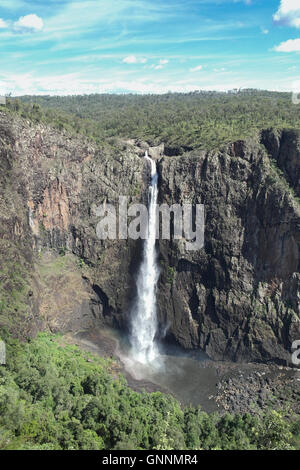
x=55 y=396
x=184 y=122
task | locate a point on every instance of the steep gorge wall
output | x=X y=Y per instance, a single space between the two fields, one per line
x=238 y=297
x=51 y=185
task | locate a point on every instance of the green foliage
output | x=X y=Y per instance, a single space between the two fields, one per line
x=62 y=251
x=81 y=263
x=277 y=177
x=57 y=397
x=171 y=275
x=296 y=434
x=184 y=122
x=14 y=284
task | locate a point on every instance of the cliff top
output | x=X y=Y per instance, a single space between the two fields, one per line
x=183 y=122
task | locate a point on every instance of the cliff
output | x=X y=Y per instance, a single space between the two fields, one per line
x=237 y=298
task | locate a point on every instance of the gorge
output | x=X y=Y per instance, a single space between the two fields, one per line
x=149 y=228
x=236 y=299
x=222 y=320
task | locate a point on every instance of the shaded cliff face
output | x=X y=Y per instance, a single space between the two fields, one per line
x=238 y=297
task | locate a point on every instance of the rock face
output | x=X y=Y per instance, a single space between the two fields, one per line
x=237 y=298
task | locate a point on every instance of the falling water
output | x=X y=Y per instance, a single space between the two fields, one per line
x=144 y=321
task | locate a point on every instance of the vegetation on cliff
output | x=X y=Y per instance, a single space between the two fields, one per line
x=54 y=396
x=60 y=398
x=183 y=121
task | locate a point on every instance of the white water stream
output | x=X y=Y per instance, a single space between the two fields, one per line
x=144 y=319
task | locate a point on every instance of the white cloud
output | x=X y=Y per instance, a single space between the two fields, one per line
x=21 y=84
x=2 y=24
x=288 y=13
x=196 y=69
x=264 y=30
x=29 y=23
x=160 y=65
x=132 y=59
x=292 y=45
x=30 y=83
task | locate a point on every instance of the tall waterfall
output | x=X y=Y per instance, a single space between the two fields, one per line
x=144 y=321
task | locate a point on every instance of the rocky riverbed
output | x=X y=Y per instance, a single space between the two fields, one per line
x=218 y=386
x=255 y=387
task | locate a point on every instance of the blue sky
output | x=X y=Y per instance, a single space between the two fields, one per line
x=148 y=46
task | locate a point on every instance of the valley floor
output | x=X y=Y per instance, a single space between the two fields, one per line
x=220 y=386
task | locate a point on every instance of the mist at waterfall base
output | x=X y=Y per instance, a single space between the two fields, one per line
x=187 y=375
x=181 y=373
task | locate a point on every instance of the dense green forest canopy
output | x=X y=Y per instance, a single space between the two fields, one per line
x=54 y=396
x=183 y=121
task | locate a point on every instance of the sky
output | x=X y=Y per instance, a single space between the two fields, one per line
x=63 y=47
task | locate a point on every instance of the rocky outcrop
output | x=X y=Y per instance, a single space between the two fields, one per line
x=237 y=298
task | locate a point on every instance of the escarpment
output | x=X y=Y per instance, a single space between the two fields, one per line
x=237 y=298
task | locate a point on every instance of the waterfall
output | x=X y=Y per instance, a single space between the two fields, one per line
x=144 y=320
